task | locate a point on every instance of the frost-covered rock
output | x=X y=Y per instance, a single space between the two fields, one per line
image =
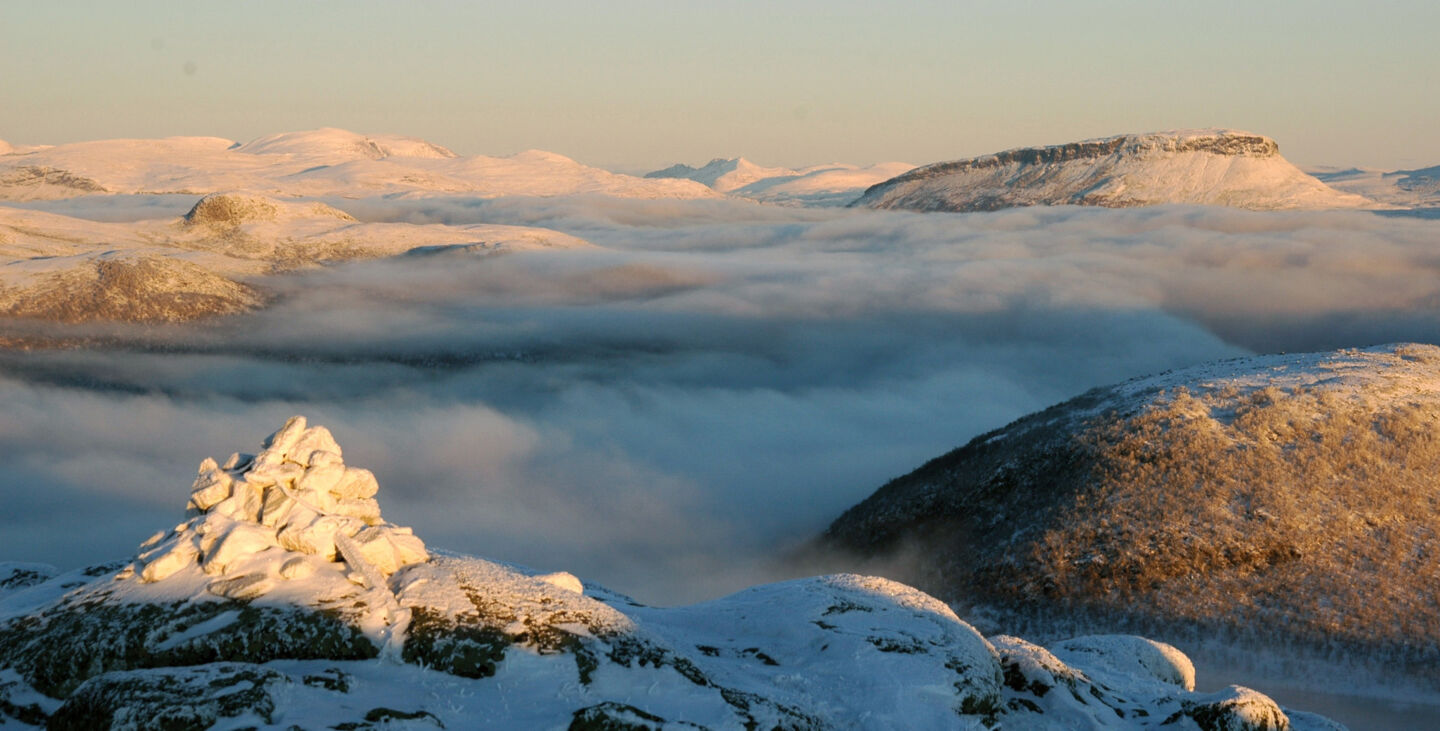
x=248 y=521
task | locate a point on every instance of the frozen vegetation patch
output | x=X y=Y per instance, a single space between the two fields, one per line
x=1282 y=498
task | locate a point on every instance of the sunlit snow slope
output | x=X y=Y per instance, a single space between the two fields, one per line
x=323 y=162
x=1207 y=167
x=1288 y=497
x=210 y=262
x=282 y=599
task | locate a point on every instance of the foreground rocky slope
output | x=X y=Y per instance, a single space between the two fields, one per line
x=285 y=600
x=1207 y=167
x=1287 y=497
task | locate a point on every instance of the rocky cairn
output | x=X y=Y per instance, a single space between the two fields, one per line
x=259 y=520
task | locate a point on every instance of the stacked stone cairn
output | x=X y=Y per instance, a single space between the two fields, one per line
x=258 y=520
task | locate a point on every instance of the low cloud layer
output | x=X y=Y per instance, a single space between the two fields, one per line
x=714 y=386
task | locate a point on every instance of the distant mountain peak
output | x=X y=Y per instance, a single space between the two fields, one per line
x=331 y=141
x=1202 y=166
x=235 y=208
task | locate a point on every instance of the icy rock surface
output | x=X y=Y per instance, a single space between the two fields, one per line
x=262 y=519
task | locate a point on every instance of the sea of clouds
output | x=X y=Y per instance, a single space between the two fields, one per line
x=667 y=414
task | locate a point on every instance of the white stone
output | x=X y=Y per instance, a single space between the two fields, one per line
x=298 y=567
x=564 y=580
x=171 y=557
x=243 y=539
x=246 y=586
x=276 y=507
x=243 y=504
x=366 y=510
x=314 y=439
x=283 y=440
x=318 y=536
x=207 y=465
x=237 y=460
x=325 y=458
x=273 y=473
x=387 y=552
x=210 y=487
x=357 y=484
x=321 y=478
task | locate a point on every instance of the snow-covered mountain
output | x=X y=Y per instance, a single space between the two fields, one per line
x=210 y=262
x=324 y=162
x=1290 y=497
x=283 y=599
x=824 y=185
x=1418 y=188
x=1207 y=167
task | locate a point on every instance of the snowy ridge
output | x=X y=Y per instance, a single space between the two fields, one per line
x=210 y=262
x=1207 y=167
x=1282 y=496
x=324 y=162
x=826 y=185
x=284 y=599
x=1419 y=188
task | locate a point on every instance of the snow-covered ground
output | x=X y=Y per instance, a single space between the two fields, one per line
x=210 y=261
x=1418 y=188
x=284 y=598
x=322 y=162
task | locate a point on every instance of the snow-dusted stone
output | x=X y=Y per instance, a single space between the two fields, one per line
x=366 y=511
x=276 y=507
x=281 y=441
x=169 y=557
x=1033 y=668
x=322 y=477
x=297 y=567
x=211 y=486
x=243 y=586
x=322 y=458
x=564 y=580
x=1236 y=708
x=1130 y=655
x=243 y=539
x=243 y=504
x=388 y=551
x=316 y=537
x=357 y=484
x=314 y=439
x=237 y=461
x=268 y=472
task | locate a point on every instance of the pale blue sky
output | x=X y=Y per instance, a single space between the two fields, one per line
x=638 y=85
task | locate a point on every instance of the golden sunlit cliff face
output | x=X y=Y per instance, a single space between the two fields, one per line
x=1292 y=497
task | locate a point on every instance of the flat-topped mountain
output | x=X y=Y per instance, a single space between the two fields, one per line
x=284 y=599
x=1207 y=167
x=1291 y=497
